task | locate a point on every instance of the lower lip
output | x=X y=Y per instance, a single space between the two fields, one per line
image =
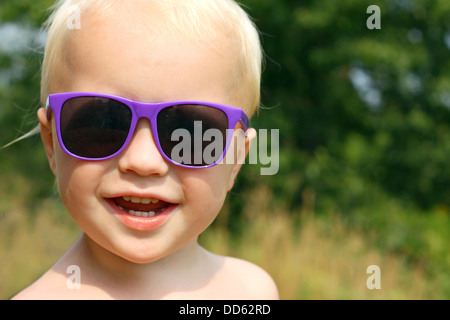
x=141 y=223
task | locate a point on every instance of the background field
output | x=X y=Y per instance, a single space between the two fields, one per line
x=364 y=120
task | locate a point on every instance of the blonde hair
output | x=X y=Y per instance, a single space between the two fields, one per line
x=193 y=19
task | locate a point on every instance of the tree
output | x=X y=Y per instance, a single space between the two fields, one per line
x=358 y=109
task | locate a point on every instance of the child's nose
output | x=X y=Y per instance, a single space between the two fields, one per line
x=142 y=156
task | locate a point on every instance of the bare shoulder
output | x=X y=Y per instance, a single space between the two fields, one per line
x=51 y=286
x=38 y=290
x=30 y=293
x=249 y=280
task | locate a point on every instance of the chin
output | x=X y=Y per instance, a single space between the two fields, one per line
x=141 y=260
x=143 y=255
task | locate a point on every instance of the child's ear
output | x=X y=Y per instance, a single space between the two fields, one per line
x=47 y=138
x=240 y=158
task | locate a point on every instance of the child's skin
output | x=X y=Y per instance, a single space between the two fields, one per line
x=119 y=261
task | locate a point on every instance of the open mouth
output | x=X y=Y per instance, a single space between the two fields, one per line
x=141 y=207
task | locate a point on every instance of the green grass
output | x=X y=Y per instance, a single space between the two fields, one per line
x=29 y=245
x=314 y=256
x=309 y=255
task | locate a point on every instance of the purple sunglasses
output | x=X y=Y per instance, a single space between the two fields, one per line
x=94 y=126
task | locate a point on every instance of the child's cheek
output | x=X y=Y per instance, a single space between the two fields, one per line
x=77 y=180
x=207 y=187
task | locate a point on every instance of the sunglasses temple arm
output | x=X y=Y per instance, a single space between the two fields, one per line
x=245 y=122
x=47 y=108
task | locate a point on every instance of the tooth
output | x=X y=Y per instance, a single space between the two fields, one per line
x=126 y=198
x=145 y=214
x=155 y=200
x=135 y=199
x=151 y=214
x=132 y=212
x=146 y=200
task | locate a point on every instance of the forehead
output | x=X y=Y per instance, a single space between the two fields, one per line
x=131 y=57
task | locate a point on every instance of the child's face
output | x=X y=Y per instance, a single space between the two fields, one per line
x=106 y=58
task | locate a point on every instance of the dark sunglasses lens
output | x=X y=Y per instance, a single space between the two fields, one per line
x=193 y=135
x=94 y=127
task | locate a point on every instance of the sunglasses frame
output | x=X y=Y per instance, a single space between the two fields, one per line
x=139 y=110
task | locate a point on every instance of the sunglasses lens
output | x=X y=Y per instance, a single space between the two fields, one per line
x=93 y=127
x=193 y=135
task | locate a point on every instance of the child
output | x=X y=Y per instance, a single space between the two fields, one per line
x=112 y=78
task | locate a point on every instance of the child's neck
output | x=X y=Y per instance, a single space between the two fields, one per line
x=122 y=279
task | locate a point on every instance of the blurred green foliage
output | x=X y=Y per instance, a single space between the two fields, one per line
x=390 y=131
x=364 y=115
x=358 y=109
